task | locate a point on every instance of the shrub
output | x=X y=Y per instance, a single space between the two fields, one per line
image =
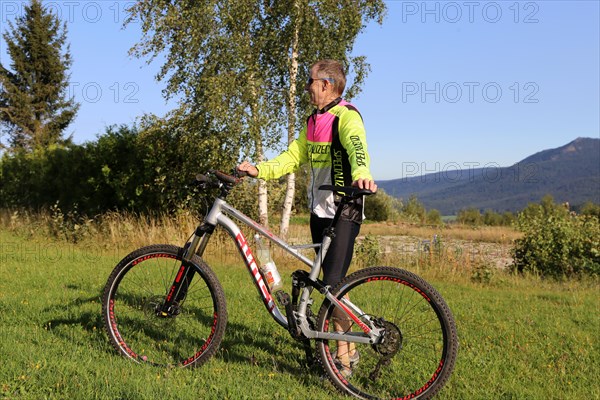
x=414 y=210
x=368 y=251
x=469 y=216
x=508 y=219
x=483 y=273
x=491 y=218
x=70 y=226
x=591 y=209
x=557 y=242
x=434 y=217
x=381 y=207
x=139 y=170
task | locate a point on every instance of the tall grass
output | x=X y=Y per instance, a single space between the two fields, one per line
x=113 y=227
x=458 y=249
x=457 y=252
x=492 y=234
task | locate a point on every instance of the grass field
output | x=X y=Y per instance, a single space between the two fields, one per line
x=520 y=338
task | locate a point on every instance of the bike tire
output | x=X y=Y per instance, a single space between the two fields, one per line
x=420 y=344
x=139 y=284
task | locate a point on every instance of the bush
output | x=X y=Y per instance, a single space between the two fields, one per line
x=414 y=211
x=469 y=216
x=491 y=218
x=508 y=218
x=381 y=207
x=557 y=242
x=591 y=209
x=140 y=170
x=72 y=226
x=368 y=252
x=483 y=273
x=472 y=217
x=434 y=217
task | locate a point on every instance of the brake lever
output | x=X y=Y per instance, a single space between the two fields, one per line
x=202 y=181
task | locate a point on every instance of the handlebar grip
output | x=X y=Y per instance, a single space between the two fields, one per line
x=223 y=177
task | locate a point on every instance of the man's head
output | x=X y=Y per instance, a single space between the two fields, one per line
x=333 y=70
x=326 y=82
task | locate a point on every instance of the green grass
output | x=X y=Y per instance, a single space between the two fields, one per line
x=519 y=338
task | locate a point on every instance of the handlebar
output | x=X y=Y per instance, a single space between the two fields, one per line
x=208 y=181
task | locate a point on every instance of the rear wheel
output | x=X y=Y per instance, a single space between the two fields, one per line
x=416 y=355
x=189 y=333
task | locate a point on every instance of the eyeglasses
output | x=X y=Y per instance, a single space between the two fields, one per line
x=311 y=80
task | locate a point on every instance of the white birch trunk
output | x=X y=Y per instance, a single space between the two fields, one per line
x=263 y=204
x=263 y=195
x=286 y=212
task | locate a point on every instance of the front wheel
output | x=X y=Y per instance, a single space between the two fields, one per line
x=417 y=350
x=134 y=294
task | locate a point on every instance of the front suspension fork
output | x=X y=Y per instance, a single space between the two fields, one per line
x=183 y=279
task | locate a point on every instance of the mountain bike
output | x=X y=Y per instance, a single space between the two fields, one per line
x=164 y=305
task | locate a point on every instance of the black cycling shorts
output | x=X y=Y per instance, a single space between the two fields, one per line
x=336 y=263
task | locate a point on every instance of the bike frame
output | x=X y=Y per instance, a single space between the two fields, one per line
x=220 y=214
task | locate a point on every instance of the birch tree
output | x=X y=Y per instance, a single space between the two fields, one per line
x=318 y=30
x=243 y=63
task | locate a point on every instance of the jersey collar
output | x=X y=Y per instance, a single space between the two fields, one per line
x=328 y=106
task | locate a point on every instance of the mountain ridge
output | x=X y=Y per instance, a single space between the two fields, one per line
x=570 y=173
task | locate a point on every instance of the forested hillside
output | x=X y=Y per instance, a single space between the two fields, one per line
x=570 y=173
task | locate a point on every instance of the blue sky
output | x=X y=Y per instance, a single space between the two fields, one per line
x=454 y=84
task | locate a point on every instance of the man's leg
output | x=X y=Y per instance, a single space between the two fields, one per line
x=335 y=267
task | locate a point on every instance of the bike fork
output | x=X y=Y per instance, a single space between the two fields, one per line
x=183 y=279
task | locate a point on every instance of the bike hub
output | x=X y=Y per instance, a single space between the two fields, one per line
x=391 y=342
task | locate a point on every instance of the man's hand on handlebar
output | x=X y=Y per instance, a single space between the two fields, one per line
x=248 y=168
x=364 y=183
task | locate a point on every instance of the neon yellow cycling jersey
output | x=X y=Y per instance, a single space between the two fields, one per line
x=333 y=143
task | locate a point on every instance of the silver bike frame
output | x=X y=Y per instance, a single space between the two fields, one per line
x=219 y=215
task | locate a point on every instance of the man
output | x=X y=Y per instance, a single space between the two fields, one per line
x=333 y=144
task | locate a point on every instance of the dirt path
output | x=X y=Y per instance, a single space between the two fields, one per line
x=495 y=254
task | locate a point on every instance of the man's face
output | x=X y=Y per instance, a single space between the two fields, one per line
x=315 y=88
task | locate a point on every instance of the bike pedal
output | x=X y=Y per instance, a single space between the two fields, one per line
x=283 y=298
